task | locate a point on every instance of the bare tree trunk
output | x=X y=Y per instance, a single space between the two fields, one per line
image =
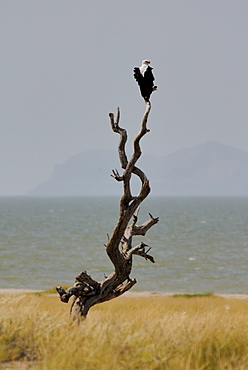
x=87 y=292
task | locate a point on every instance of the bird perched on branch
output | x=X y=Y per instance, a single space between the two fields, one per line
x=144 y=76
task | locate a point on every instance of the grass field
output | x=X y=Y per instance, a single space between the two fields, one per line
x=181 y=332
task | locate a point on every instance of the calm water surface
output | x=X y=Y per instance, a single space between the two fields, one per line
x=199 y=245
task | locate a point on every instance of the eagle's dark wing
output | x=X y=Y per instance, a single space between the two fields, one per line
x=137 y=75
x=148 y=76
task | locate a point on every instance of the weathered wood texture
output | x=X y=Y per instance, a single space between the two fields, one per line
x=87 y=292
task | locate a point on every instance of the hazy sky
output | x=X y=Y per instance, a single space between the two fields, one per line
x=65 y=65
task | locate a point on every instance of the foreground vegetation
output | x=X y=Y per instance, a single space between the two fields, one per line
x=203 y=332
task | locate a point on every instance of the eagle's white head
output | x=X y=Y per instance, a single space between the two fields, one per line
x=146 y=62
x=144 y=66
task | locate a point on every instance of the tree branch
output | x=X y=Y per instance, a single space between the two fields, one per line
x=87 y=292
x=142 y=229
x=140 y=251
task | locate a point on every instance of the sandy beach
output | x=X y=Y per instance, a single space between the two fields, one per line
x=130 y=294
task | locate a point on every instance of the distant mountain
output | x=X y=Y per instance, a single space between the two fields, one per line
x=86 y=173
x=207 y=169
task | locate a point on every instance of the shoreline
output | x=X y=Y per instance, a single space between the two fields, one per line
x=135 y=294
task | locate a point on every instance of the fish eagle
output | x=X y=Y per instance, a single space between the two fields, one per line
x=144 y=76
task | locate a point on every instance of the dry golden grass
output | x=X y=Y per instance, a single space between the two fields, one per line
x=126 y=333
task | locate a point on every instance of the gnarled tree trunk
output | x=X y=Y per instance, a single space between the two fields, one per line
x=87 y=292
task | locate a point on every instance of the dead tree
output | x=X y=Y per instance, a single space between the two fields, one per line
x=87 y=292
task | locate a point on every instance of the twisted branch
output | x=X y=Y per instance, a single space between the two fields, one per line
x=87 y=292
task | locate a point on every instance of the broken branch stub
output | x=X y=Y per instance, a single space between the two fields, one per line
x=86 y=292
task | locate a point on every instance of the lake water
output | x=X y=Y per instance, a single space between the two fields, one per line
x=199 y=245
